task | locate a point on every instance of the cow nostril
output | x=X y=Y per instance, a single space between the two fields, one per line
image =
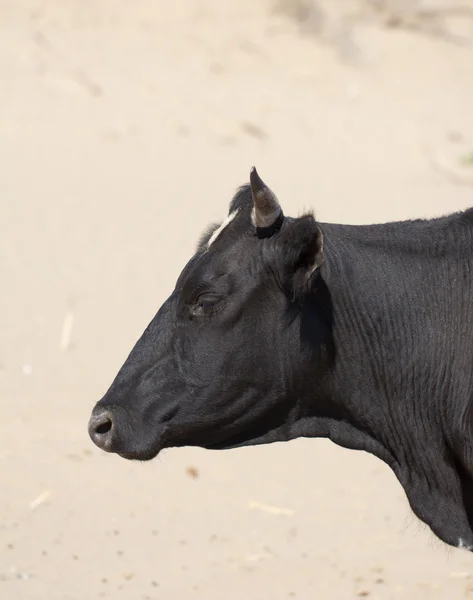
x=104 y=427
x=101 y=430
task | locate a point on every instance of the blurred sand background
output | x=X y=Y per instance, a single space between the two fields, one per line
x=125 y=128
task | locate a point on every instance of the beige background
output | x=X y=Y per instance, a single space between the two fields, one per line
x=125 y=128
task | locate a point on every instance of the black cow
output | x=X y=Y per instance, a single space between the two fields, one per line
x=280 y=328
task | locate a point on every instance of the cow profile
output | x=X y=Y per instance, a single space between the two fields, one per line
x=280 y=328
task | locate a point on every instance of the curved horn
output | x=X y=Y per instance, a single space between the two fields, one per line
x=266 y=209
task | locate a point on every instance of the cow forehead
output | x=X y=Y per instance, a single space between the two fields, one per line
x=220 y=229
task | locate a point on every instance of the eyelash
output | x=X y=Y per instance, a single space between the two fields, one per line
x=203 y=309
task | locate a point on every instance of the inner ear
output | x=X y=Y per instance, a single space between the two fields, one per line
x=300 y=253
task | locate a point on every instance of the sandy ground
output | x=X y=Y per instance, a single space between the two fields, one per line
x=124 y=129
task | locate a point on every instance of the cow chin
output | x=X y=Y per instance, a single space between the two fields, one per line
x=140 y=456
x=224 y=443
x=145 y=452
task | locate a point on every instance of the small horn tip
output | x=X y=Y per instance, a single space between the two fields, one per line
x=255 y=179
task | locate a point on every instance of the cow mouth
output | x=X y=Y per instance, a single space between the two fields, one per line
x=139 y=456
x=234 y=441
x=147 y=452
x=146 y=456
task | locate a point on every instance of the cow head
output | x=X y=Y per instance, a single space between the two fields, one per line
x=229 y=356
x=264 y=340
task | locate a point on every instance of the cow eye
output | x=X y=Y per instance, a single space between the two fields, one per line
x=204 y=305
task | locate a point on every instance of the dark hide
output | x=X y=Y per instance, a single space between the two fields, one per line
x=361 y=334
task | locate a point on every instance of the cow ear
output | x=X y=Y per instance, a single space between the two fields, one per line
x=300 y=249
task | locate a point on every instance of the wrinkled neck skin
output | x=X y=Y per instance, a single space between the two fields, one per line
x=399 y=382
